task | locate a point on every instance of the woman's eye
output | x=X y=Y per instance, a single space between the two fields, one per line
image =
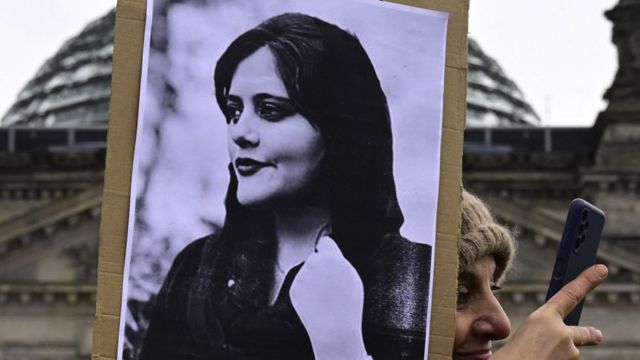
x=233 y=114
x=495 y=288
x=274 y=112
x=233 y=111
x=463 y=296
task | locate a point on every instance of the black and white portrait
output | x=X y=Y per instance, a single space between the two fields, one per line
x=285 y=181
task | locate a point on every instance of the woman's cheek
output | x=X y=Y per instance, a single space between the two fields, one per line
x=463 y=324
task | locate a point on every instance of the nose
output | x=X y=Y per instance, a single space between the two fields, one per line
x=244 y=131
x=492 y=323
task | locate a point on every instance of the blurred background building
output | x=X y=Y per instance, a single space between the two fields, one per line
x=53 y=143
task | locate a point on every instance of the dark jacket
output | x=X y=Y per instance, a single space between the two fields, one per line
x=396 y=283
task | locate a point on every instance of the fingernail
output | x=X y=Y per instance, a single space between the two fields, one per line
x=601 y=270
x=599 y=333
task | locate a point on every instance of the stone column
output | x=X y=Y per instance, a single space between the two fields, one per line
x=624 y=93
x=613 y=182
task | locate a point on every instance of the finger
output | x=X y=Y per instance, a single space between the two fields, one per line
x=571 y=294
x=585 y=335
x=327 y=246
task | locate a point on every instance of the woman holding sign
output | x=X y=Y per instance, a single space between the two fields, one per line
x=310 y=262
x=485 y=253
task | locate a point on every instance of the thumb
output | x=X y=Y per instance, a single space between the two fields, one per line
x=585 y=335
x=565 y=300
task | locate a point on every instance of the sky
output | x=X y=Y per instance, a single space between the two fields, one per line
x=558 y=52
x=31 y=31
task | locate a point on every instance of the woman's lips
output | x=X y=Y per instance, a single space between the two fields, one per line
x=248 y=166
x=473 y=355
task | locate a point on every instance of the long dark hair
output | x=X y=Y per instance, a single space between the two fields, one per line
x=331 y=82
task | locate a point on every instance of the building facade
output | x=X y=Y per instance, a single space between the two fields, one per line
x=52 y=166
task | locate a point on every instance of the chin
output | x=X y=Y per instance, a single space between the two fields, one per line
x=262 y=198
x=253 y=200
x=252 y=195
x=478 y=355
x=271 y=201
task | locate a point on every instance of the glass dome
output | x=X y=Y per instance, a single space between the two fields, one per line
x=72 y=88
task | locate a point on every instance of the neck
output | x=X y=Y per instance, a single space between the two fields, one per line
x=297 y=231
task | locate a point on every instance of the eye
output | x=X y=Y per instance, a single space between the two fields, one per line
x=274 y=111
x=233 y=111
x=495 y=288
x=463 y=296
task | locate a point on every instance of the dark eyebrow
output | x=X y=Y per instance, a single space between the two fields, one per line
x=265 y=96
x=234 y=98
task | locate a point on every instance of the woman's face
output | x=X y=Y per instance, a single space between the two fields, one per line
x=275 y=151
x=479 y=317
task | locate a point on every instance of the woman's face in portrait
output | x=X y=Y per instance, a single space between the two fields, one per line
x=479 y=317
x=275 y=151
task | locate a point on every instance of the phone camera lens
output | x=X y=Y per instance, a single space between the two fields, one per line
x=585 y=213
x=586 y=224
x=581 y=229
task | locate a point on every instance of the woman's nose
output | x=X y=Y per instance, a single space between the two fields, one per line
x=244 y=131
x=493 y=323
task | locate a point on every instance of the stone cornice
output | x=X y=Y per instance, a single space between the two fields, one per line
x=519 y=161
x=47 y=185
x=45 y=220
x=610 y=181
x=24 y=294
x=606 y=294
x=29 y=162
x=522 y=176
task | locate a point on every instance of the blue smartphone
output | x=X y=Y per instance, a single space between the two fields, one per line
x=578 y=248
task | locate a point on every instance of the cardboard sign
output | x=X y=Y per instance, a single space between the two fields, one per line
x=174 y=156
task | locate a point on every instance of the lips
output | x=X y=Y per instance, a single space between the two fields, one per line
x=473 y=355
x=248 y=166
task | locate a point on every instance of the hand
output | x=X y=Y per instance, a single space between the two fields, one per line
x=328 y=296
x=544 y=335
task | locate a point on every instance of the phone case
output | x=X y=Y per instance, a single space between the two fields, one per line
x=578 y=248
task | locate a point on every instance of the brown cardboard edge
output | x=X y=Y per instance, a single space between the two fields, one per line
x=123 y=110
x=127 y=58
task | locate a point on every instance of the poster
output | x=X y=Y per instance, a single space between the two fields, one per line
x=321 y=132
